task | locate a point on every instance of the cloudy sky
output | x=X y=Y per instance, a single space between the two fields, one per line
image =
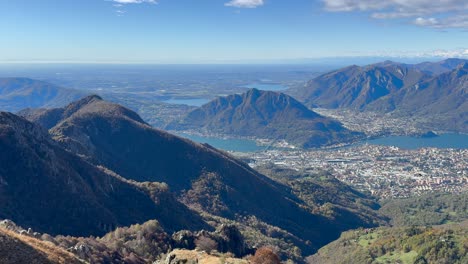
x=197 y=31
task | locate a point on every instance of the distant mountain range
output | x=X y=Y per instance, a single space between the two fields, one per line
x=426 y=89
x=435 y=68
x=265 y=114
x=19 y=93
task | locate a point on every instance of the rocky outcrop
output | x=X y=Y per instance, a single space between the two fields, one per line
x=179 y=256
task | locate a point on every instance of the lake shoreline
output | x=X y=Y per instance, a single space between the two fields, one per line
x=252 y=144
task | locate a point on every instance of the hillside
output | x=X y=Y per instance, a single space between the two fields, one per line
x=434 y=92
x=19 y=93
x=431 y=209
x=51 y=190
x=266 y=114
x=406 y=245
x=327 y=196
x=354 y=87
x=443 y=98
x=202 y=177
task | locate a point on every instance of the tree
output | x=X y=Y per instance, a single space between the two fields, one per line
x=265 y=255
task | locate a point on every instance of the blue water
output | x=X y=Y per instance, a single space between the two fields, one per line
x=238 y=145
x=188 y=101
x=458 y=141
x=266 y=87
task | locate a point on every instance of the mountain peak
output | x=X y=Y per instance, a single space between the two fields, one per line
x=87 y=107
x=95 y=105
x=253 y=93
x=90 y=98
x=84 y=101
x=265 y=114
x=253 y=90
x=388 y=63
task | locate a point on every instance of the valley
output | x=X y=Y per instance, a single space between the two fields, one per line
x=234 y=132
x=383 y=171
x=243 y=169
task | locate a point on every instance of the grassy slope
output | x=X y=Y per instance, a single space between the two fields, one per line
x=431 y=209
x=15 y=248
x=440 y=244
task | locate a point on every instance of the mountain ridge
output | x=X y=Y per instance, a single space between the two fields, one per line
x=355 y=87
x=437 y=97
x=20 y=93
x=35 y=169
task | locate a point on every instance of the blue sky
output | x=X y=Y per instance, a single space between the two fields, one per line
x=198 y=31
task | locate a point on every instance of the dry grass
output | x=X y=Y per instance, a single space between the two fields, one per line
x=16 y=248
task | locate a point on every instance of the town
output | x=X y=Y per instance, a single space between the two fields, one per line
x=383 y=171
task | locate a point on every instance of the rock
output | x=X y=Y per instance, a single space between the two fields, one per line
x=81 y=250
x=184 y=239
x=8 y=224
x=231 y=240
x=181 y=257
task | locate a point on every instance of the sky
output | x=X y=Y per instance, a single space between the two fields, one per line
x=210 y=31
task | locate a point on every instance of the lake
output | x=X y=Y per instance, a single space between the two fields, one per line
x=458 y=141
x=266 y=86
x=228 y=144
x=188 y=101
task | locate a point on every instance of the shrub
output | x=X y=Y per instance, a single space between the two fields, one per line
x=265 y=255
x=206 y=244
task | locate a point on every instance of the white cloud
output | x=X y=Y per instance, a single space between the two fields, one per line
x=411 y=54
x=456 y=21
x=245 y=3
x=134 y=1
x=428 y=13
x=398 y=6
x=119 y=5
x=352 y=5
x=420 y=21
x=457 y=53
